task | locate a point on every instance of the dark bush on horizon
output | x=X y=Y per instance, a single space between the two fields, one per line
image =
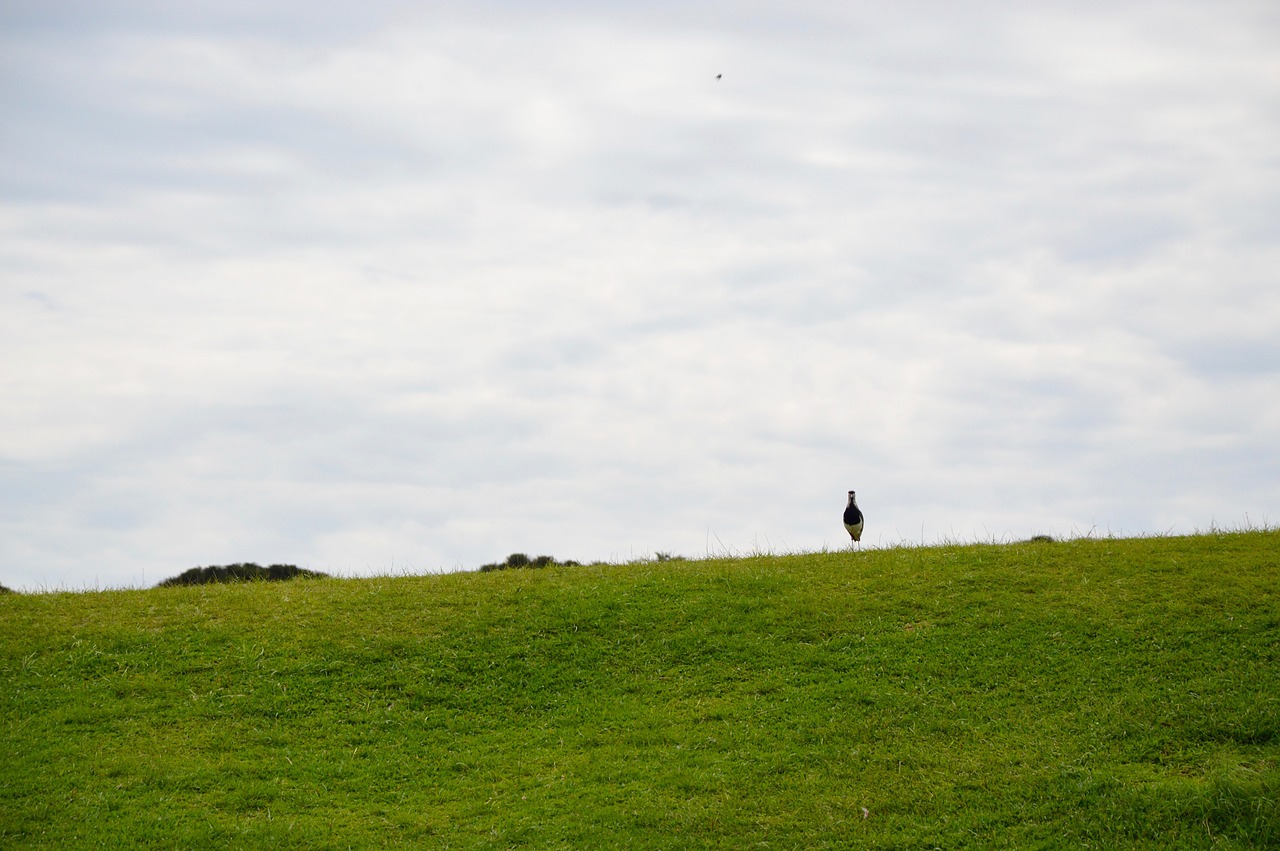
x=516 y=560
x=4 y=590
x=244 y=572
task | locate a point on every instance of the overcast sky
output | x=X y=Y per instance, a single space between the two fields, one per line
x=406 y=287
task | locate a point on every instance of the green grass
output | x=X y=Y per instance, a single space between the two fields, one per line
x=1084 y=694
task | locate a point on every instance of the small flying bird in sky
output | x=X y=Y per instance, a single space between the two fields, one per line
x=718 y=76
x=853 y=517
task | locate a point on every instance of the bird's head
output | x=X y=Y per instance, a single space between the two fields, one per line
x=852 y=496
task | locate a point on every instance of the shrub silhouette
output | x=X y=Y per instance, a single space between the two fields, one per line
x=521 y=560
x=4 y=590
x=243 y=572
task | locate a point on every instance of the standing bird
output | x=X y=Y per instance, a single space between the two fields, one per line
x=853 y=517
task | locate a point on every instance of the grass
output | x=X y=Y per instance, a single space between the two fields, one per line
x=1086 y=694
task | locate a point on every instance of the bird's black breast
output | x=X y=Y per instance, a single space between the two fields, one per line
x=852 y=516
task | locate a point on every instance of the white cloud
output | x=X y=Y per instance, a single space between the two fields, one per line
x=413 y=291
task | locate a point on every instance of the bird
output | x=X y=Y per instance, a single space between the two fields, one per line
x=853 y=517
x=718 y=76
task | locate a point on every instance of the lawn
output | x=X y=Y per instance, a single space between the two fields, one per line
x=1095 y=693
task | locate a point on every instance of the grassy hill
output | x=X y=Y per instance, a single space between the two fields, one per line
x=1092 y=693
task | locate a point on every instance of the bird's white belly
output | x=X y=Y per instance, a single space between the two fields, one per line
x=855 y=530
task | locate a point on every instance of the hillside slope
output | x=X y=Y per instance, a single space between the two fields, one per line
x=1093 y=693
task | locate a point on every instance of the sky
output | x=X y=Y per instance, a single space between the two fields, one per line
x=387 y=287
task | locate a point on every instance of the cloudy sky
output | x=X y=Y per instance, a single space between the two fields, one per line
x=406 y=287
